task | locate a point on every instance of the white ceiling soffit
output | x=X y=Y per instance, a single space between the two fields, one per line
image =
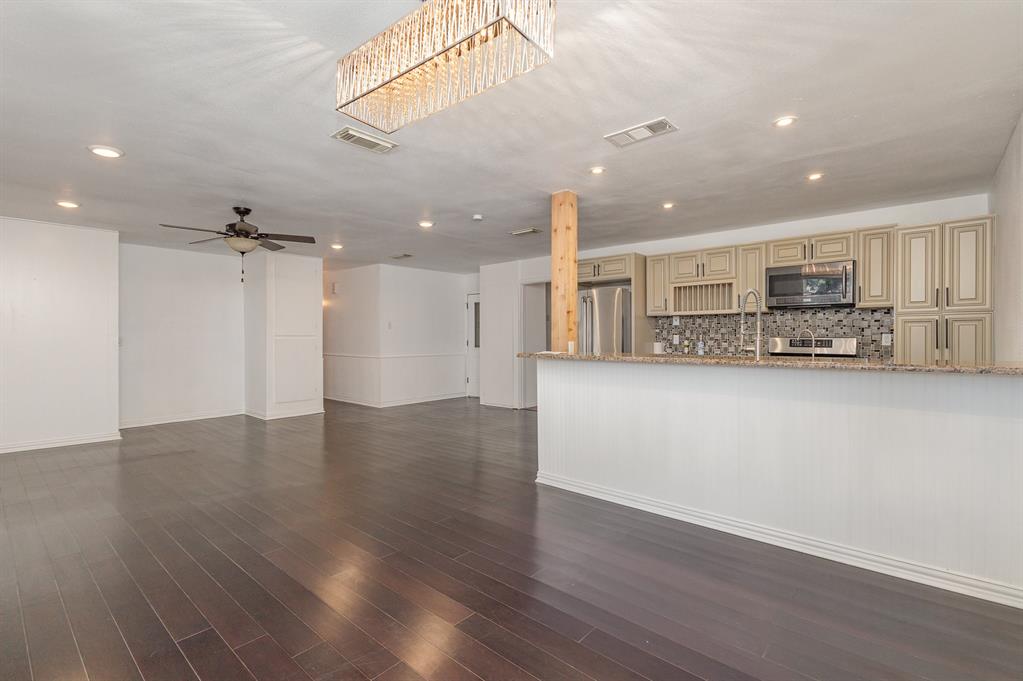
x=231 y=103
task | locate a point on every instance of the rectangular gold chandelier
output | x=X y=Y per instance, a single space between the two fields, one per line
x=441 y=54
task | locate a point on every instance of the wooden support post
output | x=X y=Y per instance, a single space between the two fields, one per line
x=564 y=269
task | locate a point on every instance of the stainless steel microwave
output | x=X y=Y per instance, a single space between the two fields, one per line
x=823 y=284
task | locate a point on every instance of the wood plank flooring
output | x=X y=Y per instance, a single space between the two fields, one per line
x=412 y=543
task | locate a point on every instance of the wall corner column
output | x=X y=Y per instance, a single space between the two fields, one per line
x=564 y=269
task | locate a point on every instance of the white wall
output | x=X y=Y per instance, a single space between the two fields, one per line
x=351 y=335
x=1007 y=205
x=58 y=335
x=394 y=335
x=284 y=373
x=182 y=335
x=501 y=375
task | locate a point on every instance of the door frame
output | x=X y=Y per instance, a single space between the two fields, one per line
x=472 y=360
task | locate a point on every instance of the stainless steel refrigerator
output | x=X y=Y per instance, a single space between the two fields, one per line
x=605 y=320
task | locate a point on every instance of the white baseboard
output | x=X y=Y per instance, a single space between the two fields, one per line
x=396 y=403
x=178 y=418
x=265 y=417
x=1005 y=594
x=418 y=400
x=59 y=442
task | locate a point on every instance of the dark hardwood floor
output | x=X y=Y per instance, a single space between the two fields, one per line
x=412 y=543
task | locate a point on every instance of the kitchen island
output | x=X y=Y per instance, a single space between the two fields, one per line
x=912 y=471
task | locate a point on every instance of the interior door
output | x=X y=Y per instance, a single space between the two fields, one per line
x=472 y=345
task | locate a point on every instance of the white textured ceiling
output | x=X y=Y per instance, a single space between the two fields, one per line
x=231 y=102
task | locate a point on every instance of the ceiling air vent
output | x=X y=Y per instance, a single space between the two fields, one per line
x=364 y=140
x=638 y=133
x=523 y=232
x=401 y=256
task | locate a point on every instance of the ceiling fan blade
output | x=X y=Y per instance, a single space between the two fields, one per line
x=202 y=241
x=195 y=229
x=269 y=245
x=290 y=237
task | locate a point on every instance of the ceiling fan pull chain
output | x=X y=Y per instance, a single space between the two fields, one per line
x=243 y=268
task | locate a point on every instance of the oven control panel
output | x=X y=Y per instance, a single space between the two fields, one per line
x=804 y=345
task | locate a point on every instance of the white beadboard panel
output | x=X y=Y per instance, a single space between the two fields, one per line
x=352 y=378
x=297 y=370
x=406 y=379
x=916 y=475
x=298 y=308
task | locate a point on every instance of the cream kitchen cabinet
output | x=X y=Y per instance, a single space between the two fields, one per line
x=944 y=267
x=875 y=268
x=818 y=248
x=918 y=340
x=605 y=269
x=918 y=279
x=751 y=264
x=967 y=265
x=716 y=263
x=944 y=272
x=657 y=291
x=967 y=339
x=788 y=252
x=832 y=247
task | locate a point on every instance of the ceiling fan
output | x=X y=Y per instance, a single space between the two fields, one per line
x=243 y=237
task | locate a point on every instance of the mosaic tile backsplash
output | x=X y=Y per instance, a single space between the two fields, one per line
x=720 y=332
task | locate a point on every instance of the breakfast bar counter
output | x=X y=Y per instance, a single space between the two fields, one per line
x=912 y=471
x=839 y=363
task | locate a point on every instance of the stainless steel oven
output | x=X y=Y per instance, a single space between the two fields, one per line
x=822 y=284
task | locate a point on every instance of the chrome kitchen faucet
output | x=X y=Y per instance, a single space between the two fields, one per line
x=742 y=323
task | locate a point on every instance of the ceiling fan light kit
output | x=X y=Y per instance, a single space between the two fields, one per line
x=241 y=244
x=244 y=237
x=442 y=53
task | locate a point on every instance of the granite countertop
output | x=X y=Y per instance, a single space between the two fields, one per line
x=840 y=364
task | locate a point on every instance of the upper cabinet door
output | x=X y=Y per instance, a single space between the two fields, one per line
x=684 y=267
x=718 y=263
x=614 y=267
x=874 y=268
x=830 y=247
x=917 y=340
x=967 y=281
x=587 y=269
x=751 y=273
x=657 y=285
x=788 y=252
x=918 y=269
x=968 y=339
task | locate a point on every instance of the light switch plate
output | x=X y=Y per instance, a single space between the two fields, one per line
x=886 y=339
x=676 y=320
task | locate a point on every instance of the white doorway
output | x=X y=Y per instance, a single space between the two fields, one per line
x=536 y=329
x=472 y=345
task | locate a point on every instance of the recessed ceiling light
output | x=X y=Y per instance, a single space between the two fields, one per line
x=668 y=205
x=425 y=224
x=67 y=204
x=478 y=217
x=597 y=170
x=105 y=151
x=785 y=121
x=336 y=247
x=813 y=177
